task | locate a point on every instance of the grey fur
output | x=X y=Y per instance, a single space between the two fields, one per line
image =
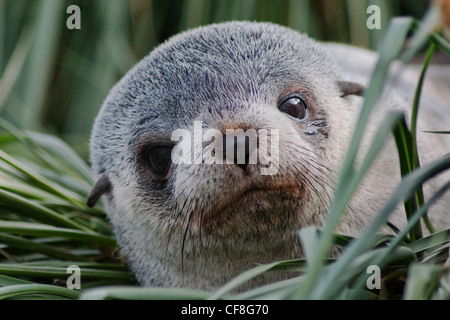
x=233 y=75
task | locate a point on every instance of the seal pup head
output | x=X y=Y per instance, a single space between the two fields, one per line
x=200 y=224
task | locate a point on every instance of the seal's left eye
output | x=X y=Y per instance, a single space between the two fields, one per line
x=159 y=159
x=295 y=107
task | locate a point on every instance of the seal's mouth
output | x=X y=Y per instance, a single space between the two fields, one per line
x=253 y=198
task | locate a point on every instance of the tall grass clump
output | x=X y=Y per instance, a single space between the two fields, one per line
x=45 y=225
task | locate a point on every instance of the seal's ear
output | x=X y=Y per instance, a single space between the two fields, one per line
x=103 y=185
x=350 y=88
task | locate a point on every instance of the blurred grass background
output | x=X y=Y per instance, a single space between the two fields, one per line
x=54 y=79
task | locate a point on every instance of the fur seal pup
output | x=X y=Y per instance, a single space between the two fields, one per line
x=199 y=225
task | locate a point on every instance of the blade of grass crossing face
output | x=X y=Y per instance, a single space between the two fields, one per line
x=405 y=146
x=309 y=238
x=382 y=259
x=403 y=191
x=422 y=281
x=419 y=196
x=389 y=50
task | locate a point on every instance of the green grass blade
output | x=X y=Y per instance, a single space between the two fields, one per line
x=10 y=281
x=274 y=291
x=42 y=230
x=309 y=237
x=26 y=190
x=422 y=281
x=48 y=25
x=423 y=29
x=438 y=132
x=441 y=43
x=2 y=34
x=419 y=196
x=38 y=212
x=41 y=181
x=35 y=247
x=408 y=162
x=245 y=277
x=431 y=241
x=29 y=289
x=45 y=272
x=82 y=264
x=54 y=153
x=137 y=293
x=58 y=149
x=14 y=67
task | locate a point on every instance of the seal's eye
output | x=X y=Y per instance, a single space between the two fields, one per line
x=295 y=107
x=159 y=159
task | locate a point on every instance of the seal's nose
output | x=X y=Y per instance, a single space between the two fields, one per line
x=238 y=148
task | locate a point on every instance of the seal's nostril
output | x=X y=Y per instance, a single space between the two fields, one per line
x=243 y=166
x=237 y=149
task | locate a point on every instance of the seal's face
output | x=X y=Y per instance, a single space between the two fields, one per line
x=200 y=221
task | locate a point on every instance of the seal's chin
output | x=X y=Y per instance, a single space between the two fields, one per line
x=254 y=204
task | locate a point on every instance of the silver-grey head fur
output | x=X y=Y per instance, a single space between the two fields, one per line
x=204 y=224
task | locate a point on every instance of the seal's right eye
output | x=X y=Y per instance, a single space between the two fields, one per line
x=296 y=107
x=159 y=159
